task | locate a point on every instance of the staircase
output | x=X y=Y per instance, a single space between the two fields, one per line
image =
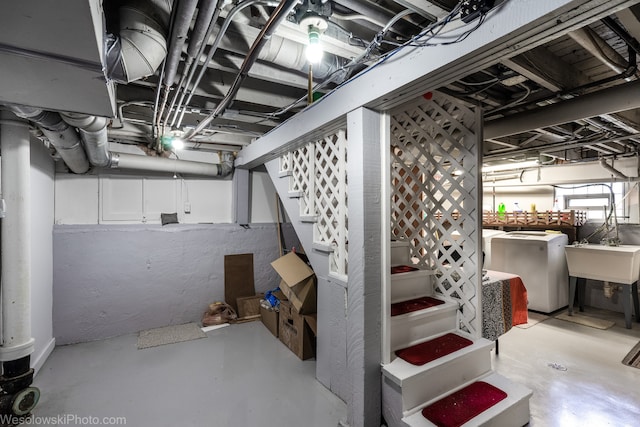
x=437 y=370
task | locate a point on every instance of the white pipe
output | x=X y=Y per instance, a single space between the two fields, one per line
x=162 y=164
x=591 y=41
x=614 y=171
x=618 y=98
x=16 y=241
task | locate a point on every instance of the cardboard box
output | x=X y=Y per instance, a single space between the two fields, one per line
x=249 y=306
x=270 y=320
x=294 y=331
x=298 y=282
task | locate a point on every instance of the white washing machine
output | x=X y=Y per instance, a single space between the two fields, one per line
x=538 y=258
x=487 y=235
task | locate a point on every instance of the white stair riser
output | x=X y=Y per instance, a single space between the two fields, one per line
x=405 y=286
x=391 y=403
x=400 y=253
x=430 y=384
x=516 y=415
x=407 y=331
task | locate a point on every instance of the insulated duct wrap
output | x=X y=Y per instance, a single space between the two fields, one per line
x=143 y=46
x=161 y=164
x=62 y=136
x=93 y=131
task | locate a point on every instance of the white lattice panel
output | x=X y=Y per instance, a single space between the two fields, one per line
x=434 y=153
x=319 y=179
x=286 y=165
x=331 y=198
x=302 y=178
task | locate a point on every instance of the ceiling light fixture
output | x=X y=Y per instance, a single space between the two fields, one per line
x=314 y=50
x=313 y=17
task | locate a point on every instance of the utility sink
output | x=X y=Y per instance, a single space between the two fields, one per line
x=616 y=264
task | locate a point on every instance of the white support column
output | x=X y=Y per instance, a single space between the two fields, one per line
x=473 y=224
x=16 y=239
x=364 y=190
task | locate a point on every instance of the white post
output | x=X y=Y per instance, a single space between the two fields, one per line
x=16 y=239
x=366 y=266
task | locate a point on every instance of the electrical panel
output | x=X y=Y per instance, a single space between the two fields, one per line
x=472 y=9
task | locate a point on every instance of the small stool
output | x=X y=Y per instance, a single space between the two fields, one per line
x=629 y=292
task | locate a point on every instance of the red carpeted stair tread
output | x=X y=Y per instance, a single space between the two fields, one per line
x=461 y=406
x=402 y=269
x=436 y=348
x=415 y=304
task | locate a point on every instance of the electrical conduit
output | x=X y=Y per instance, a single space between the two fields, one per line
x=281 y=12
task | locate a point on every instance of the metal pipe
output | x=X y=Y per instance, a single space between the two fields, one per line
x=618 y=98
x=182 y=20
x=214 y=46
x=93 y=131
x=208 y=14
x=162 y=164
x=179 y=29
x=17 y=341
x=591 y=41
x=62 y=136
x=281 y=12
x=614 y=171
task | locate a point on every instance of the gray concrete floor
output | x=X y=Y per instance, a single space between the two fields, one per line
x=242 y=376
x=239 y=376
x=575 y=371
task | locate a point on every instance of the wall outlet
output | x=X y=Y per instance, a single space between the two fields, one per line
x=187 y=207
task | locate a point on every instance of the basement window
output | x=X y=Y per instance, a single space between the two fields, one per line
x=595 y=199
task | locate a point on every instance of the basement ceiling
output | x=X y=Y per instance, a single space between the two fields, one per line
x=58 y=58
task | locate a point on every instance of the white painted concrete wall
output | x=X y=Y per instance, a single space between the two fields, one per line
x=112 y=280
x=126 y=198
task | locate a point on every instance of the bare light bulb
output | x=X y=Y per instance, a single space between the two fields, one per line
x=314 y=47
x=177 y=143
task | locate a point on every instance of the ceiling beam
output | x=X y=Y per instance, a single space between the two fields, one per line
x=611 y=100
x=546 y=69
x=514 y=27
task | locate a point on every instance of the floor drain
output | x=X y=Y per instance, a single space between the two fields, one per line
x=557 y=366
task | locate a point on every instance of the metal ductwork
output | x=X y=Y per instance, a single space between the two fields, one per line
x=144 y=25
x=93 y=131
x=161 y=164
x=62 y=136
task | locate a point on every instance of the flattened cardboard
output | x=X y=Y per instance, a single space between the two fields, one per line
x=238 y=278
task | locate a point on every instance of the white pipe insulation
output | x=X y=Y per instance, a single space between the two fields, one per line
x=93 y=131
x=161 y=164
x=16 y=239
